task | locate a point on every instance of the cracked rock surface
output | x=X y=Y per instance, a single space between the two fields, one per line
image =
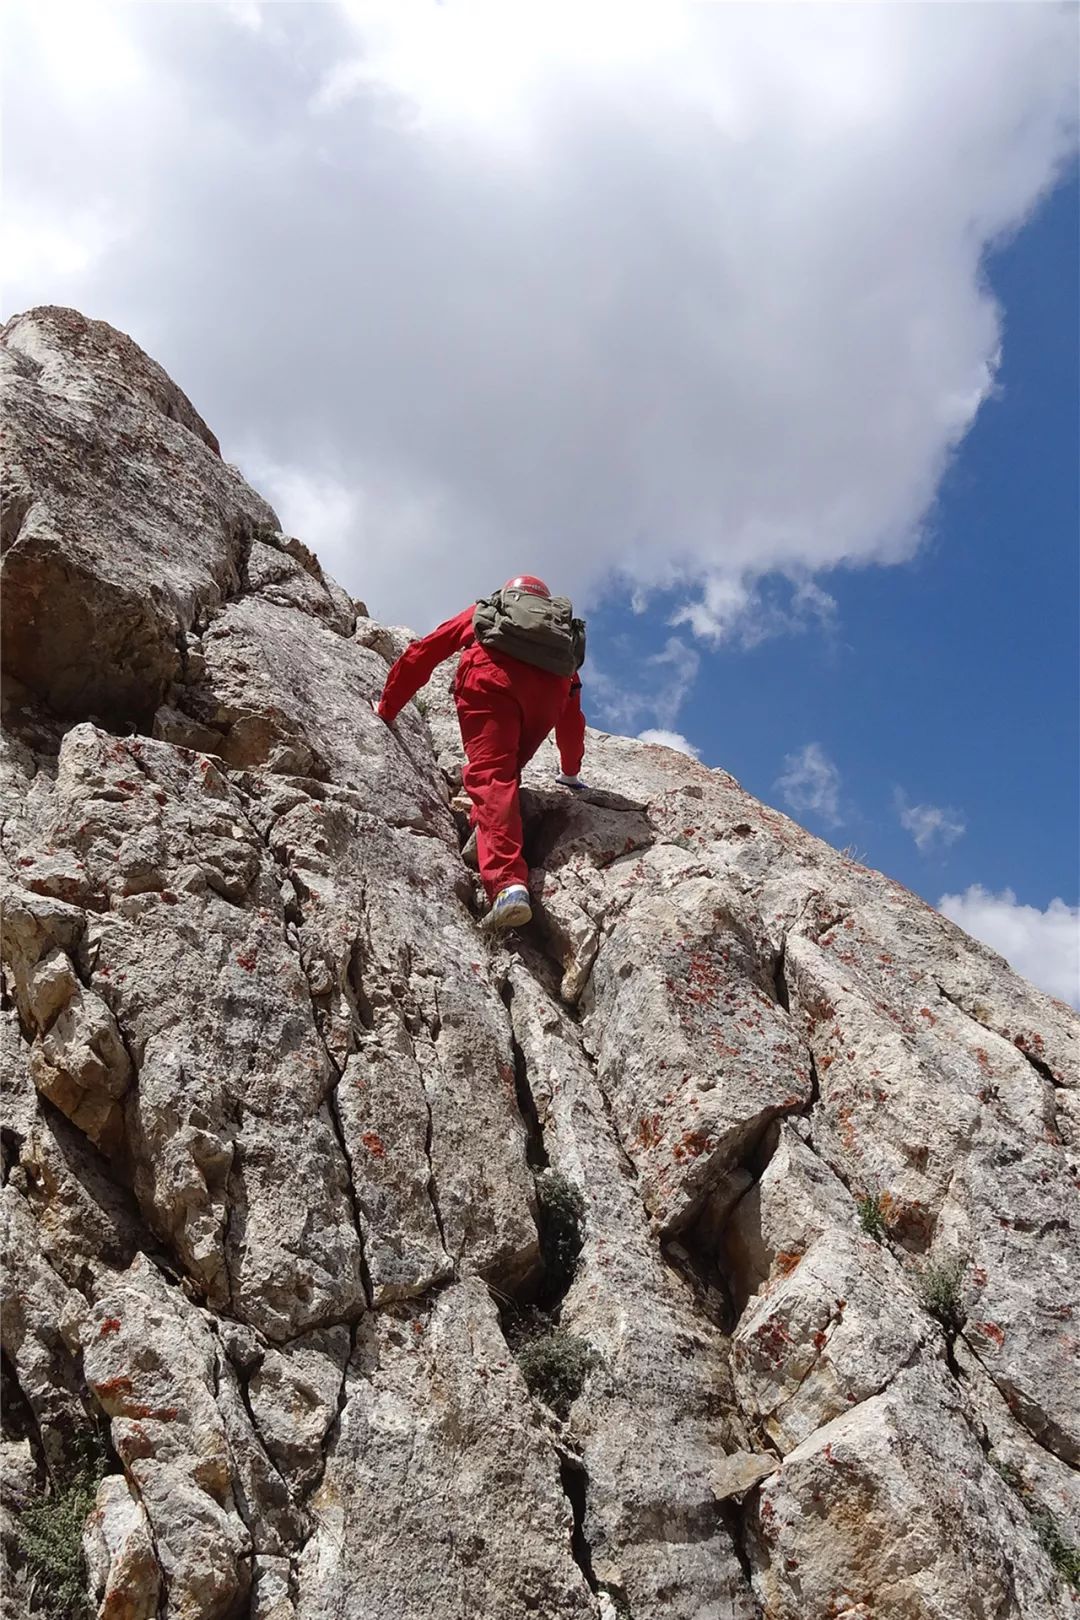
x=707 y=1251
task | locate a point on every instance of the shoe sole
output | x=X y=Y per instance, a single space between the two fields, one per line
x=515 y=916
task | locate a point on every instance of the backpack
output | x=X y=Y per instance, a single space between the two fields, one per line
x=539 y=630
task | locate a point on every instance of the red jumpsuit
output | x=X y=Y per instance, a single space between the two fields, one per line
x=505 y=709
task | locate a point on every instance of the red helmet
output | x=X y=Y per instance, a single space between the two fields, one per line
x=527 y=583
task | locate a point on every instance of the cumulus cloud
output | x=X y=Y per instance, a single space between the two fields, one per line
x=933 y=826
x=810 y=784
x=670 y=739
x=652 y=293
x=1044 y=946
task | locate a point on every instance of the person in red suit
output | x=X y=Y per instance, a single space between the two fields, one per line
x=505 y=708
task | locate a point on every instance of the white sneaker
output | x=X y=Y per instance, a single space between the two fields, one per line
x=509 y=909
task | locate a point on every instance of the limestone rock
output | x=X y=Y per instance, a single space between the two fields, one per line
x=151 y=1362
x=707 y=1252
x=893 y=1509
x=739 y=1473
x=37 y=1308
x=657 y=1414
x=441 y=1494
x=1048 y=1488
x=122 y=523
x=695 y=1053
x=87 y=1223
x=293 y=1397
x=271 y=1597
x=835 y=1321
x=18 y=1487
x=121 y=1563
x=426 y=1100
x=17 y=1095
x=222 y=1037
x=283 y=570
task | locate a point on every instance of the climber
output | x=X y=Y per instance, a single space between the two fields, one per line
x=521 y=649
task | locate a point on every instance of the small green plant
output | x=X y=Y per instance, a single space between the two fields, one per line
x=423 y=705
x=50 y=1535
x=554 y=1366
x=941 y=1293
x=872 y=1216
x=562 y=1216
x=1063 y=1554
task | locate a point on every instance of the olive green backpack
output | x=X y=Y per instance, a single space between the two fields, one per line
x=539 y=630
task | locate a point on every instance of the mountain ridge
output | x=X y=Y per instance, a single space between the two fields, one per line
x=708 y=1251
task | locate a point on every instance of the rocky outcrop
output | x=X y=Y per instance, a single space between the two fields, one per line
x=708 y=1251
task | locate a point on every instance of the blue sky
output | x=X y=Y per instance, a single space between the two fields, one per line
x=753 y=328
x=952 y=678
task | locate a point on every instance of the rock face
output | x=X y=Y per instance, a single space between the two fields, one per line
x=708 y=1251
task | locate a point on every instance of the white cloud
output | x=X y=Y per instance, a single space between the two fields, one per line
x=734 y=610
x=245 y=14
x=88 y=51
x=668 y=678
x=725 y=603
x=670 y=739
x=38 y=247
x=672 y=675
x=810 y=784
x=316 y=507
x=933 y=826
x=480 y=65
x=324 y=509
x=1044 y=946
x=685 y=295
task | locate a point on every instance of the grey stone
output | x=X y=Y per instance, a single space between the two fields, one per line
x=893 y=1510
x=441 y=1494
x=739 y=1473
x=285 y=1135
x=125 y=1577
x=125 y=523
x=293 y=1395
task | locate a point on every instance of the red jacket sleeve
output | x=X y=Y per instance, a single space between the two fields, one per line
x=420 y=660
x=570 y=731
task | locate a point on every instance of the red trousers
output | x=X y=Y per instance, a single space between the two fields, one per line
x=505 y=710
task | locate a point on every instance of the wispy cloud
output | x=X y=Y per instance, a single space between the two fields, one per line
x=1044 y=946
x=810 y=784
x=934 y=827
x=669 y=677
x=746 y=611
x=670 y=739
x=676 y=671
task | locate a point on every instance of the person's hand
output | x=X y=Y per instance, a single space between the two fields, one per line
x=564 y=779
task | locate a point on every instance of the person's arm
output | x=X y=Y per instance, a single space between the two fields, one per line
x=419 y=662
x=570 y=731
